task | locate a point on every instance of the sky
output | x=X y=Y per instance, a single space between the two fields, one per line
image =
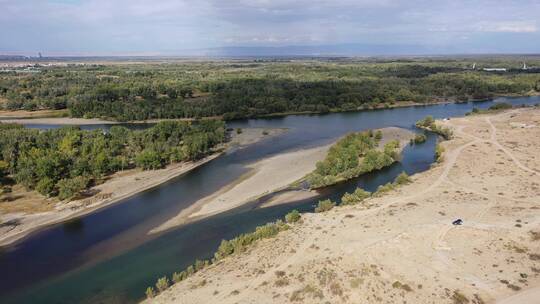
x=176 y=27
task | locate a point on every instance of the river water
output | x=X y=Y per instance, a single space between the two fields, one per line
x=107 y=256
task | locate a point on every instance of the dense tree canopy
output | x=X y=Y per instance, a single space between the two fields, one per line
x=65 y=161
x=247 y=89
x=351 y=156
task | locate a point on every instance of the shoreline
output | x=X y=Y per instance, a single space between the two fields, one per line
x=374 y=249
x=50 y=117
x=118 y=187
x=67 y=212
x=268 y=175
x=265 y=176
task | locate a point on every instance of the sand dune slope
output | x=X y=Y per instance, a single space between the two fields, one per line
x=402 y=247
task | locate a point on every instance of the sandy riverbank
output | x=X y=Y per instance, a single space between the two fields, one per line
x=402 y=247
x=267 y=176
x=29 y=211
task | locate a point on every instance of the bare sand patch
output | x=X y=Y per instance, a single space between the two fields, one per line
x=402 y=247
x=265 y=176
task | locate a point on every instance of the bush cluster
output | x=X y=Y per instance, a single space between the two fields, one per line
x=428 y=123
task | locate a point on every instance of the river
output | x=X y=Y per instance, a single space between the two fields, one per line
x=108 y=257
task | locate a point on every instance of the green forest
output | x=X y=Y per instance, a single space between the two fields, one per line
x=63 y=162
x=352 y=156
x=240 y=89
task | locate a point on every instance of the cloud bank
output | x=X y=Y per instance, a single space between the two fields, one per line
x=169 y=26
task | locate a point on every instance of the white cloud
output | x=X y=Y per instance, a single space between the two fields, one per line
x=145 y=25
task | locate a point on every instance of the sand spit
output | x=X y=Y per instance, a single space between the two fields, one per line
x=402 y=247
x=267 y=176
x=32 y=211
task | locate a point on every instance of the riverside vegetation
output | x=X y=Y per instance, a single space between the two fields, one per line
x=352 y=156
x=428 y=123
x=63 y=162
x=242 y=242
x=240 y=89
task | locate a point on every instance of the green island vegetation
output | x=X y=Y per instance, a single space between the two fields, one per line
x=352 y=156
x=418 y=139
x=428 y=123
x=252 y=88
x=242 y=242
x=63 y=162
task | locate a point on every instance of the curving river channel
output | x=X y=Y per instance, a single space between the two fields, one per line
x=108 y=257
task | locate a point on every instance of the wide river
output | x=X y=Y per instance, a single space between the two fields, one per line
x=108 y=256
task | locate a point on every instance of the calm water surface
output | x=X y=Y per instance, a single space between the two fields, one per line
x=107 y=256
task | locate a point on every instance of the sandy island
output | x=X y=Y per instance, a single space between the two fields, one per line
x=402 y=247
x=30 y=211
x=266 y=176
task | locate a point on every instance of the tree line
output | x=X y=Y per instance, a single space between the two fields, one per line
x=246 y=89
x=62 y=162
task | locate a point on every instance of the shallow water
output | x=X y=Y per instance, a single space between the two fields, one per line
x=107 y=257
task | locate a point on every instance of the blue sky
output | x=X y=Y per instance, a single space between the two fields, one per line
x=131 y=27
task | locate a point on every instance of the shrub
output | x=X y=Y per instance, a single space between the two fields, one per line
x=382 y=189
x=4 y=167
x=356 y=197
x=162 y=284
x=402 y=179
x=459 y=298
x=500 y=106
x=240 y=243
x=426 y=122
x=292 y=217
x=150 y=292
x=419 y=138
x=429 y=123
x=71 y=187
x=179 y=276
x=378 y=135
x=239 y=131
x=325 y=205
x=439 y=150
x=45 y=186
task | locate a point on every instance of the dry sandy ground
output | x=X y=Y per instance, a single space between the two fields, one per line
x=402 y=247
x=266 y=176
x=31 y=211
